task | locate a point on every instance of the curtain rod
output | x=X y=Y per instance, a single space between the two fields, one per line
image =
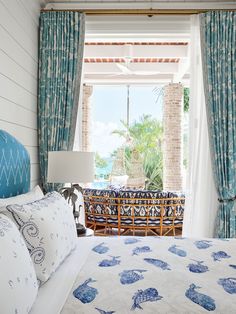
x=149 y=12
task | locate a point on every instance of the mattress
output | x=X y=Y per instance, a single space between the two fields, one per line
x=149 y=275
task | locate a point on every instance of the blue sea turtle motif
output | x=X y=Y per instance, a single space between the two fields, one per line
x=233 y=266
x=85 y=293
x=131 y=240
x=141 y=296
x=100 y=248
x=218 y=255
x=198 y=268
x=173 y=249
x=130 y=276
x=199 y=298
x=203 y=244
x=158 y=263
x=110 y=262
x=104 y=312
x=141 y=249
x=229 y=284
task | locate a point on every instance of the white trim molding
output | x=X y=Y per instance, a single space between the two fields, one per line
x=139 y=5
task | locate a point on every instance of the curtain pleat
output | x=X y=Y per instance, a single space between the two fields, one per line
x=61 y=45
x=200 y=196
x=218 y=38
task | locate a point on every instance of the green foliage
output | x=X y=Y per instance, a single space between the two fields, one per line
x=153 y=169
x=186 y=99
x=99 y=161
x=145 y=136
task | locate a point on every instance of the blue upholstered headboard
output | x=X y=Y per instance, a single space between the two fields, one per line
x=14 y=166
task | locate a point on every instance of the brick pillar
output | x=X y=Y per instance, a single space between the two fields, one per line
x=172 y=144
x=86 y=118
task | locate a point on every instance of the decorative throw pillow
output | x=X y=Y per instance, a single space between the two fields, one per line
x=48 y=228
x=34 y=195
x=18 y=282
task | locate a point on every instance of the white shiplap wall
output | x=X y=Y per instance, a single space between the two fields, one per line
x=18 y=74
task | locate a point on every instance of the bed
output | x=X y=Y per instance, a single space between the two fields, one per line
x=114 y=274
x=161 y=279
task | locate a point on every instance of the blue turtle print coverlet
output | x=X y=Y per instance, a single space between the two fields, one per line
x=156 y=275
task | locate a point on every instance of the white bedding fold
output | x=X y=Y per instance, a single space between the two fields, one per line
x=53 y=294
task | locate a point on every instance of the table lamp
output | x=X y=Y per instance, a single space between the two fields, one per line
x=74 y=168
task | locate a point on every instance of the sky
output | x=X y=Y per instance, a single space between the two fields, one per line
x=109 y=108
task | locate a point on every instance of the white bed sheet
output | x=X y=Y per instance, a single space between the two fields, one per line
x=53 y=294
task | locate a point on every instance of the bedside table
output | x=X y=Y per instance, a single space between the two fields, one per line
x=88 y=233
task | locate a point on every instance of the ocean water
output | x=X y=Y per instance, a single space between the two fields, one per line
x=100 y=184
x=101 y=172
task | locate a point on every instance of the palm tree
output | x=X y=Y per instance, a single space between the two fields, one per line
x=145 y=137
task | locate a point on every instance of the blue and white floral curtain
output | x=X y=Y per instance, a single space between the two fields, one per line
x=61 y=45
x=218 y=37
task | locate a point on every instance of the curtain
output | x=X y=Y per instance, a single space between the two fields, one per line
x=201 y=196
x=218 y=33
x=61 y=42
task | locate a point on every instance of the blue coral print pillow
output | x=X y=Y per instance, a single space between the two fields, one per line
x=18 y=282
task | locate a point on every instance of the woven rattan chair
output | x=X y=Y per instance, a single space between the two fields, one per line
x=125 y=212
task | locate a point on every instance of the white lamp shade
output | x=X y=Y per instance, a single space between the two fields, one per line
x=70 y=167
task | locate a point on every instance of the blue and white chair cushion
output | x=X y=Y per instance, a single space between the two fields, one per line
x=137 y=206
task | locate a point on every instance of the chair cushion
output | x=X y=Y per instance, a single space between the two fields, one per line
x=139 y=203
x=106 y=203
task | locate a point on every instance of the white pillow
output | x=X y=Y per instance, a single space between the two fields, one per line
x=119 y=180
x=18 y=284
x=34 y=195
x=48 y=228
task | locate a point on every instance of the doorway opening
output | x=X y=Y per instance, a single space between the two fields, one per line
x=135 y=103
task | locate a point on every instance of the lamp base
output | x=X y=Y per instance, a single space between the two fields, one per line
x=80 y=228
